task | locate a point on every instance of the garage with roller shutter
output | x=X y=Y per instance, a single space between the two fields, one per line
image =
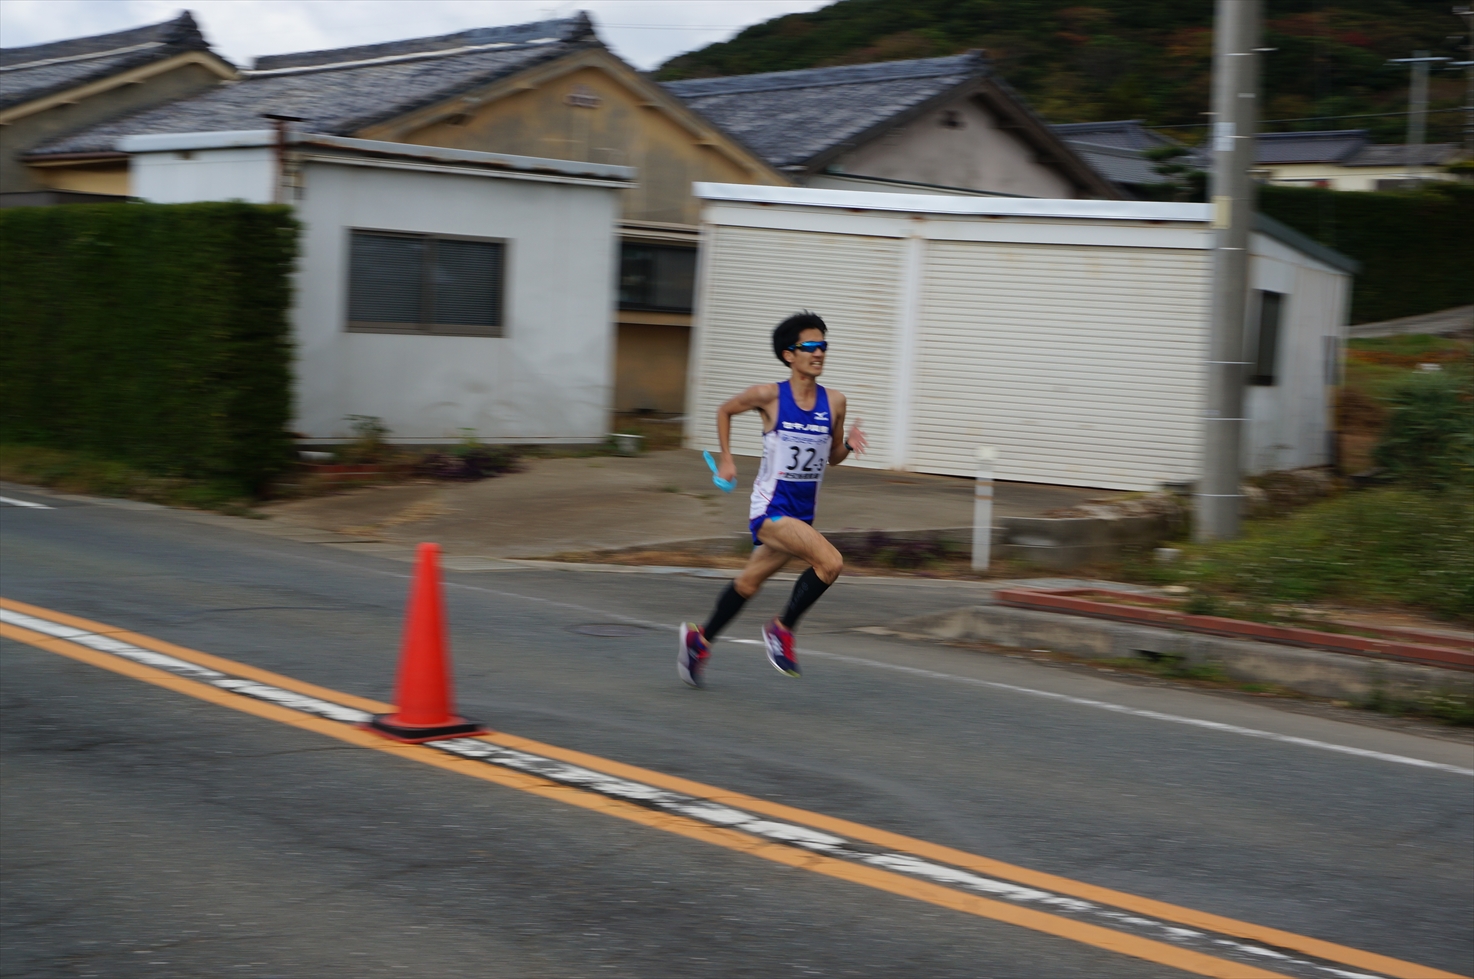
x=1069 y=334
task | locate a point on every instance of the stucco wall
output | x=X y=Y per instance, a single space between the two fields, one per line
x=977 y=155
x=20 y=136
x=1346 y=178
x=650 y=368
x=246 y=174
x=618 y=129
x=548 y=379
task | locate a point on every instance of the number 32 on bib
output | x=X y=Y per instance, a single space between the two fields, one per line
x=802 y=458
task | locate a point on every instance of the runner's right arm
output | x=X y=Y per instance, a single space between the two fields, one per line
x=759 y=397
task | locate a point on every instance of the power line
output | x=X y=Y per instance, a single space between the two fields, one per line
x=1359 y=115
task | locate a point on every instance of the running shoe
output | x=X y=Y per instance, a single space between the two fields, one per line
x=695 y=651
x=779 y=642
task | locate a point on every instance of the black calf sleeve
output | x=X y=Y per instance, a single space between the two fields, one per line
x=728 y=605
x=806 y=592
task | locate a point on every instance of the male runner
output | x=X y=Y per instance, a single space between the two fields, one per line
x=799 y=418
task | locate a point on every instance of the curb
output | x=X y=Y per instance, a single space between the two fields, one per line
x=1316 y=673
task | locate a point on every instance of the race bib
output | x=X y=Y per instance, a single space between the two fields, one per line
x=802 y=456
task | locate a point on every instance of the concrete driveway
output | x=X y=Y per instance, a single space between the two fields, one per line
x=565 y=504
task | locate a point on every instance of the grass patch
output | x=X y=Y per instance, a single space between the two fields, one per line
x=1380 y=547
x=81 y=472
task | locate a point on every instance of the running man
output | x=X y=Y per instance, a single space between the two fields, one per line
x=799 y=418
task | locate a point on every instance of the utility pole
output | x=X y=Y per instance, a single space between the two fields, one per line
x=1417 y=111
x=1468 y=14
x=1235 y=122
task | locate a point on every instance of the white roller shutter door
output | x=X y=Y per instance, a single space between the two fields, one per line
x=1083 y=364
x=752 y=279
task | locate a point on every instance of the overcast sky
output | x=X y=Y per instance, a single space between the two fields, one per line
x=643 y=32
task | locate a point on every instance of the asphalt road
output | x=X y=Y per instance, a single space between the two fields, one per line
x=147 y=833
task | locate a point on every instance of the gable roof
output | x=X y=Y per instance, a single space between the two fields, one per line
x=38 y=70
x=792 y=117
x=340 y=91
x=1117 y=164
x=1123 y=134
x=1400 y=155
x=1331 y=146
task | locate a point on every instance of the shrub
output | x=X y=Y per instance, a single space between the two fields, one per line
x=1428 y=442
x=151 y=334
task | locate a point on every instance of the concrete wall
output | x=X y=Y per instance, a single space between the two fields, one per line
x=178 y=177
x=18 y=137
x=1290 y=422
x=979 y=155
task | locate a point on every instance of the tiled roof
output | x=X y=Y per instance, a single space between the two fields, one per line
x=38 y=70
x=339 y=92
x=1397 y=155
x=1119 y=165
x=790 y=117
x=1323 y=147
x=1125 y=134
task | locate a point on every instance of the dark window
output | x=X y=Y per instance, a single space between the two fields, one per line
x=406 y=283
x=656 y=277
x=1267 y=338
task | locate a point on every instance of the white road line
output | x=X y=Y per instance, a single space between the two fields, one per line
x=935 y=675
x=717 y=814
x=1136 y=711
x=7 y=501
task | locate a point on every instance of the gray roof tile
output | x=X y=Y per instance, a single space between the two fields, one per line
x=1125 y=134
x=789 y=117
x=1323 y=147
x=37 y=70
x=332 y=97
x=565 y=29
x=1122 y=166
x=1397 y=155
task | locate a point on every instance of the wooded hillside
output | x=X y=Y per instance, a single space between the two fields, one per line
x=1133 y=59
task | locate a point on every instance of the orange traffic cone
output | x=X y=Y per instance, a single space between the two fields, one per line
x=423 y=691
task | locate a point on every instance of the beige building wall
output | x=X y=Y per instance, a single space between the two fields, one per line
x=1343 y=178
x=959 y=144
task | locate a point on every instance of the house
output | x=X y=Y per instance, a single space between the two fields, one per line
x=548 y=89
x=1070 y=334
x=1345 y=160
x=431 y=291
x=1118 y=152
x=947 y=125
x=50 y=90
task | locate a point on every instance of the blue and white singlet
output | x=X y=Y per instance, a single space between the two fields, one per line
x=795 y=453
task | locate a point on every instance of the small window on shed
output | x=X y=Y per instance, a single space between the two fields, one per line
x=411 y=283
x=1267 y=338
x=656 y=277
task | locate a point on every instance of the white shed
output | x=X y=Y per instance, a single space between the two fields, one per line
x=443 y=291
x=1071 y=334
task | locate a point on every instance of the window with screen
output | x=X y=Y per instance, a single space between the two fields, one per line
x=1267 y=338
x=656 y=277
x=409 y=283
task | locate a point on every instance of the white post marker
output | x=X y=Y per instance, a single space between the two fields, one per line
x=982 y=508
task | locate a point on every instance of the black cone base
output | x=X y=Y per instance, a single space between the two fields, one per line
x=458 y=727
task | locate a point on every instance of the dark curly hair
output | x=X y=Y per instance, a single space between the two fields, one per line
x=785 y=334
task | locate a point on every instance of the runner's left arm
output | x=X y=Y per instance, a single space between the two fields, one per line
x=839 y=449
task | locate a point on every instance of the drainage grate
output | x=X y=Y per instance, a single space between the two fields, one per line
x=609 y=630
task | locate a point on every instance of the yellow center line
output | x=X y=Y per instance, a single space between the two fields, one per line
x=731 y=839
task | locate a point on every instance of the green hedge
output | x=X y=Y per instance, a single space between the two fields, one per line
x=1416 y=247
x=155 y=334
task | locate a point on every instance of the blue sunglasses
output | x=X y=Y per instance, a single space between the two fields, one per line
x=810 y=346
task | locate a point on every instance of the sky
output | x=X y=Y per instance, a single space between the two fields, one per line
x=643 y=32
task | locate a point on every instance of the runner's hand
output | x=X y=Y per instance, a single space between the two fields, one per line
x=856 y=439
x=727 y=468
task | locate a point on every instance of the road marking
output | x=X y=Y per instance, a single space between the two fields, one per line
x=1136 y=711
x=83 y=639
x=8 y=501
